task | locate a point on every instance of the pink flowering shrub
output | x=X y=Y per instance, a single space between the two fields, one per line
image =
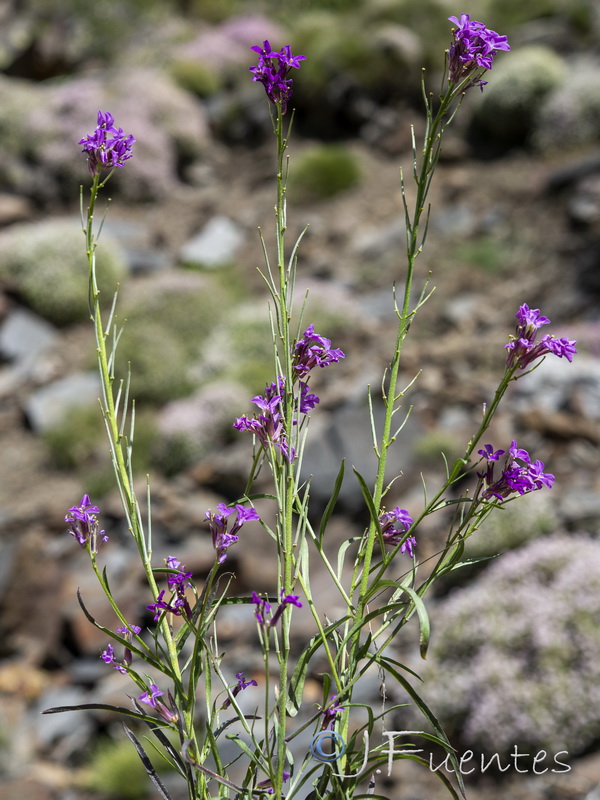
x=520 y=648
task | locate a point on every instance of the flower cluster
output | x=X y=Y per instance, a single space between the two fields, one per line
x=314 y=350
x=272 y=71
x=223 y=538
x=263 y=608
x=394 y=525
x=519 y=473
x=268 y=425
x=523 y=348
x=151 y=699
x=474 y=47
x=107 y=147
x=242 y=684
x=83 y=524
x=177 y=581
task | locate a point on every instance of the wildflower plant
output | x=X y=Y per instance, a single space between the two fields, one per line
x=186 y=692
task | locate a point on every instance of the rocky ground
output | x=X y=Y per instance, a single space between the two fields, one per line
x=516 y=229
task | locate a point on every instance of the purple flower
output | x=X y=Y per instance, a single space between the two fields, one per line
x=151 y=696
x=151 y=699
x=519 y=475
x=272 y=71
x=178 y=582
x=314 y=350
x=223 y=538
x=160 y=605
x=394 y=526
x=263 y=607
x=108 y=656
x=530 y=319
x=268 y=426
x=288 y=600
x=474 y=48
x=307 y=400
x=563 y=347
x=242 y=684
x=267 y=785
x=523 y=349
x=330 y=712
x=490 y=454
x=83 y=524
x=108 y=147
x=128 y=632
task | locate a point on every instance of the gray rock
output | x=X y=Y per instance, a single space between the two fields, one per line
x=580 y=509
x=374 y=242
x=24 y=336
x=346 y=434
x=457 y=220
x=70 y=726
x=51 y=404
x=377 y=305
x=556 y=384
x=214 y=246
x=136 y=240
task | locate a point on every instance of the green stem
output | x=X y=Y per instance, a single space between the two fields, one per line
x=286 y=473
x=116 y=438
x=415 y=239
x=433 y=133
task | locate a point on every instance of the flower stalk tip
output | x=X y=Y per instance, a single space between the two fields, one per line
x=272 y=71
x=523 y=349
x=473 y=48
x=108 y=146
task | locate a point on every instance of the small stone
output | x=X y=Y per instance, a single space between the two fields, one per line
x=53 y=403
x=215 y=246
x=24 y=336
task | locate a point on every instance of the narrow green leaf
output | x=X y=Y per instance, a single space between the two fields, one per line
x=426 y=712
x=146 y=655
x=168 y=746
x=424 y=627
x=366 y=492
x=468 y=561
x=332 y=503
x=296 y=687
x=105 y=707
x=342 y=553
x=252 y=755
